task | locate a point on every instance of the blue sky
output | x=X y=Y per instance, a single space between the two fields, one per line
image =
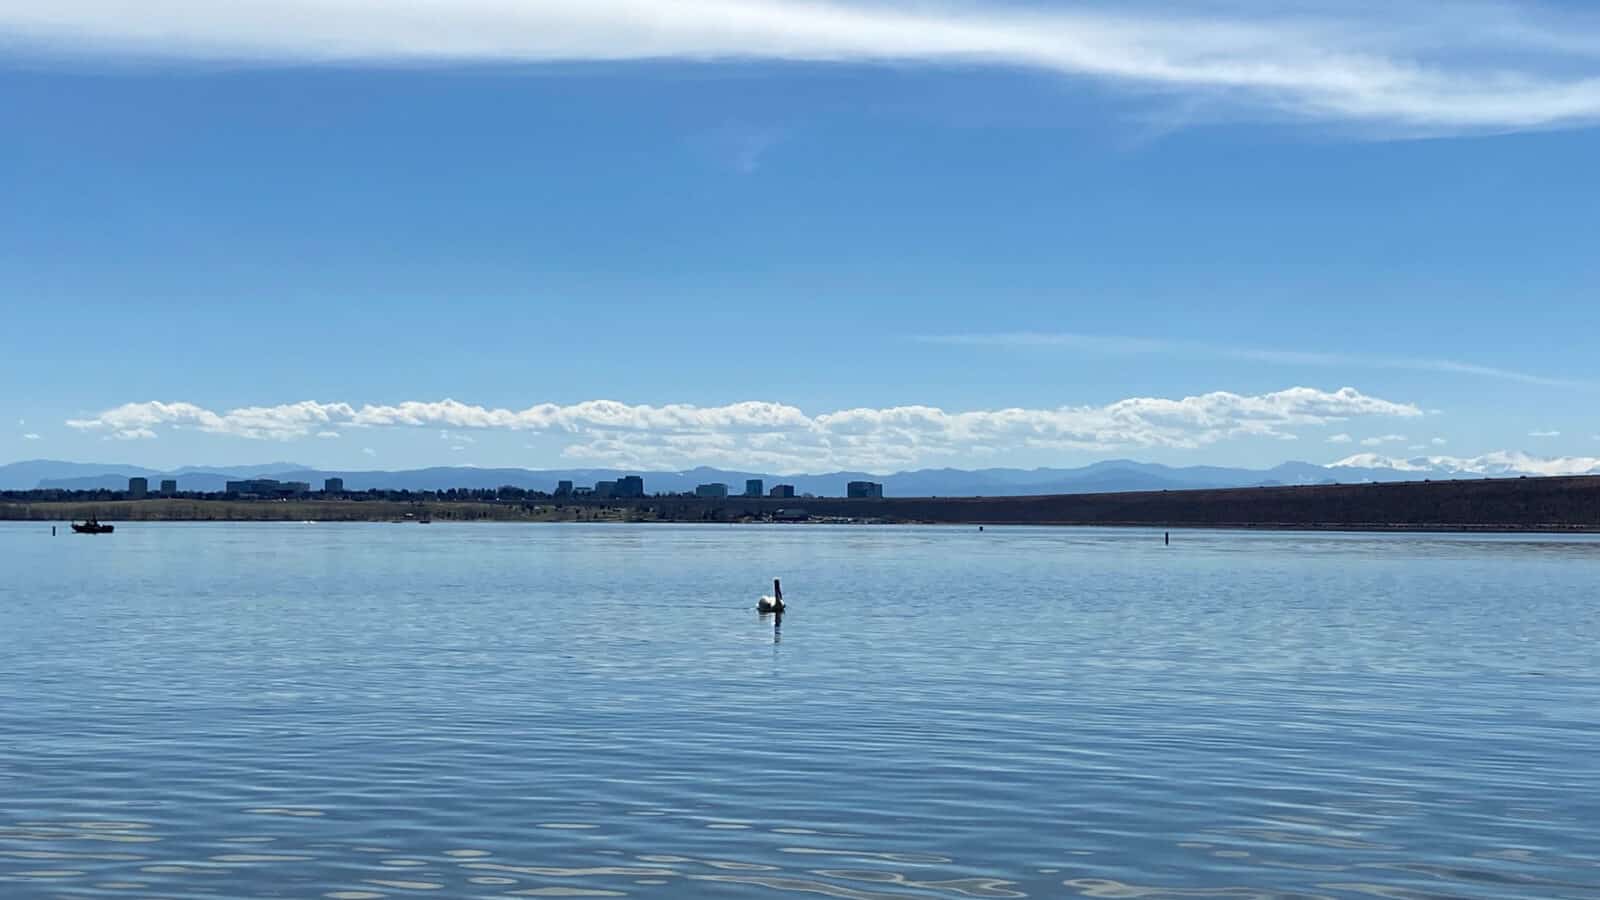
x=898 y=236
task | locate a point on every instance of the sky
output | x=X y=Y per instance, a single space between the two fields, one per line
x=793 y=237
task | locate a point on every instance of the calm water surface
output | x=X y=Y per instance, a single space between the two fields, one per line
x=372 y=711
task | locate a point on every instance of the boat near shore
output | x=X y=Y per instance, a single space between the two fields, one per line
x=93 y=526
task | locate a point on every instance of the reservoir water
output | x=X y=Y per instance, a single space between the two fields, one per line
x=373 y=711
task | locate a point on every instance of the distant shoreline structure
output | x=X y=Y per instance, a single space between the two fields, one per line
x=1554 y=504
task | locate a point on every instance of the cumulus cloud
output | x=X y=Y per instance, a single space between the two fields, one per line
x=329 y=435
x=785 y=438
x=135 y=420
x=295 y=420
x=1422 y=67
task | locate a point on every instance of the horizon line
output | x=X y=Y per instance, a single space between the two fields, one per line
x=1504 y=461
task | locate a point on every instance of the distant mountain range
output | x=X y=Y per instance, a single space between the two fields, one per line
x=1109 y=476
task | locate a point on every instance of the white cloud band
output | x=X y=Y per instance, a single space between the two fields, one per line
x=783 y=437
x=1439 y=67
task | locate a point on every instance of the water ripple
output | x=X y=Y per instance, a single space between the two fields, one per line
x=374 y=712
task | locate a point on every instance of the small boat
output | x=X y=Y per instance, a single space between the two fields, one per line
x=93 y=526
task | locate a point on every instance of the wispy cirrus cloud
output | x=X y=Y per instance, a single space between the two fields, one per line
x=1417 y=67
x=1544 y=434
x=1135 y=346
x=785 y=438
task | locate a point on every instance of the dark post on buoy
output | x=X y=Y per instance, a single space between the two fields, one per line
x=52 y=531
x=1168 y=539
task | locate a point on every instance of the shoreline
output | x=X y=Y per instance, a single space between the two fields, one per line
x=1286 y=528
x=1558 y=505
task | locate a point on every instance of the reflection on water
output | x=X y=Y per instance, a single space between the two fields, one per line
x=365 y=712
x=472 y=872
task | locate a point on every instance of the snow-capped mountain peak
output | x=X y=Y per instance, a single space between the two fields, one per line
x=1498 y=463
